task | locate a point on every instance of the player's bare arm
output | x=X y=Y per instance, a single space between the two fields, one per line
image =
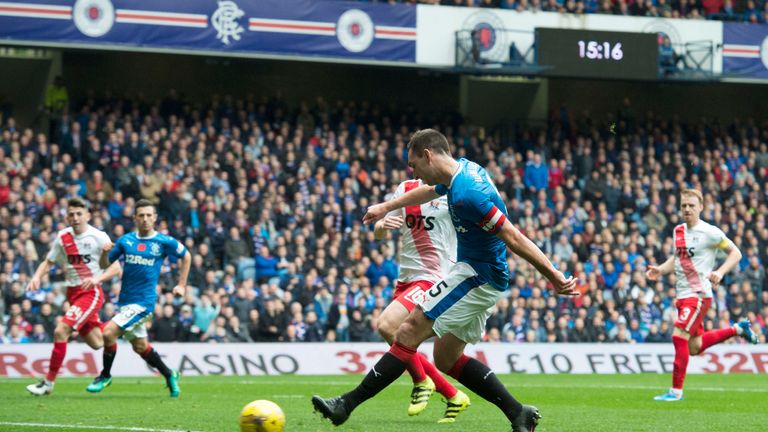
x=655 y=272
x=525 y=248
x=104 y=258
x=181 y=288
x=733 y=258
x=420 y=195
x=42 y=269
x=387 y=224
x=114 y=270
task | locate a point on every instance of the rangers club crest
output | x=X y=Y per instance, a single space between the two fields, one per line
x=155 y=249
x=224 y=20
x=488 y=31
x=94 y=18
x=355 y=30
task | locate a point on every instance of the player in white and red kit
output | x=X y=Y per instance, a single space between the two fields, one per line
x=77 y=249
x=696 y=246
x=427 y=250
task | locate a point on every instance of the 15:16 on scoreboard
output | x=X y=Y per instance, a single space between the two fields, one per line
x=598 y=54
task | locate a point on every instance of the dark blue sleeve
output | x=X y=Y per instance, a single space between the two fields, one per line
x=116 y=251
x=441 y=189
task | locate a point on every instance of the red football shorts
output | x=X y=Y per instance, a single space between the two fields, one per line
x=409 y=294
x=690 y=314
x=84 y=307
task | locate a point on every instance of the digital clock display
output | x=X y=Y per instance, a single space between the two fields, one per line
x=597 y=54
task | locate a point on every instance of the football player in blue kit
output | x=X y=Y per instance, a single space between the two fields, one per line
x=145 y=251
x=456 y=308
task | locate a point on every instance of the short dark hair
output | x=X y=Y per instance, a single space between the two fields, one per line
x=429 y=139
x=77 y=202
x=144 y=203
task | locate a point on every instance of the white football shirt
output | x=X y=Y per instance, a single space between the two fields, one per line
x=695 y=253
x=79 y=254
x=428 y=241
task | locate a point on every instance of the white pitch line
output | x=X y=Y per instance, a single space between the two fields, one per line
x=511 y=385
x=76 y=426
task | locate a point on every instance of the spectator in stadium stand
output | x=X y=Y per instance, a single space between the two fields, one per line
x=752 y=14
x=165 y=325
x=266 y=265
x=717 y=145
x=536 y=176
x=56 y=104
x=205 y=311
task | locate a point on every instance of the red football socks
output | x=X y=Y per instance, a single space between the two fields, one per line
x=714 y=337
x=57 y=358
x=416 y=369
x=442 y=385
x=681 y=361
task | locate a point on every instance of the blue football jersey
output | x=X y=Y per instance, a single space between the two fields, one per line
x=141 y=269
x=478 y=213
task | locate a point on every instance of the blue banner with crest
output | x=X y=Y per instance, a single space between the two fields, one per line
x=293 y=28
x=745 y=50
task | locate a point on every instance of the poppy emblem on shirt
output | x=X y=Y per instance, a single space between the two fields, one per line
x=141 y=247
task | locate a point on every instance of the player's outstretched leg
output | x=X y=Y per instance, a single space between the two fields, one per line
x=390 y=367
x=104 y=379
x=145 y=350
x=744 y=330
x=480 y=379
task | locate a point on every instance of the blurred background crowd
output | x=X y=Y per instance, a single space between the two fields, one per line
x=269 y=198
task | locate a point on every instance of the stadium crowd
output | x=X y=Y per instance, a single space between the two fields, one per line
x=269 y=200
x=751 y=11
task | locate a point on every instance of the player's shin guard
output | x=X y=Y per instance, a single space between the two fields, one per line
x=681 y=362
x=481 y=380
x=153 y=359
x=714 y=337
x=57 y=358
x=387 y=369
x=442 y=385
x=108 y=357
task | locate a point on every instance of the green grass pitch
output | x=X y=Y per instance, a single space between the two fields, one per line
x=568 y=403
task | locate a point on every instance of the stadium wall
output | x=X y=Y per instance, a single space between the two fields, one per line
x=355 y=358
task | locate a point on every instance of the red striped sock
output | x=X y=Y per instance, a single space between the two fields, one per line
x=57 y=358
x=714 y=337
x=441 y=384
x=681 y=362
